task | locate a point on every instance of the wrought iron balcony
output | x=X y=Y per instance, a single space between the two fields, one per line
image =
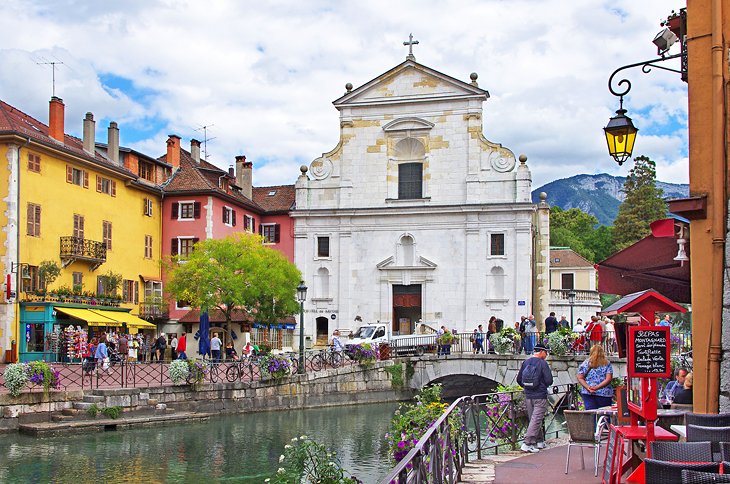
x=153 y=310
x=79 y=249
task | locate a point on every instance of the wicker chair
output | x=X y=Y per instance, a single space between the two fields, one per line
x=688 y=407
x=707 y=420
x=697 y=477
x=583 y=433
x=699 y=433
x=660 y=472
x=681 y=451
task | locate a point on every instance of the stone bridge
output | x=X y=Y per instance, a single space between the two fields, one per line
x=468 y=374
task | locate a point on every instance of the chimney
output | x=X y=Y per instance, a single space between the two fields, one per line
x=230 y=171
x=173 y=151
x=195 y=150
x=89 y=134
x=113 y=143
x=244 y=176
x=56 y=119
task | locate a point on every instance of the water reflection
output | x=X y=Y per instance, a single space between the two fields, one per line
x=237 y=448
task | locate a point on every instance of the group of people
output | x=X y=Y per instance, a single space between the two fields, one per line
x=107 y=348
x=479 y=339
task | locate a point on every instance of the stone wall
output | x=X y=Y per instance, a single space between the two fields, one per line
x=499 y=368
x=725 y=361
x=343 y=386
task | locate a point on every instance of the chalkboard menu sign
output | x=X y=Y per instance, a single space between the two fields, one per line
x=649 y=352
x=610 y=459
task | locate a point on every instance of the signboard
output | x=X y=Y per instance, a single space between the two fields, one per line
x=610 y=458
x=622 y=406
x=520 y=303
x=649 y=352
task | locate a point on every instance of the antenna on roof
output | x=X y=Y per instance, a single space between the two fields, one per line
x=53 y=68
x=204 y=129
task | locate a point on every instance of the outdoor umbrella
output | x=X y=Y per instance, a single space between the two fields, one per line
x=204 y=341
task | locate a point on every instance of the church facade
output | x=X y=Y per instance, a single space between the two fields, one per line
x=416 y=215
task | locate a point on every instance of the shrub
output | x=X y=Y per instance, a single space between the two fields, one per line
x=304 y=460
x=178 y=371
x=112 y=412
x=92 y=411
x=16 y=378
x=396 y=374
x=561 y=341
x=196 y=371
x=505 y=341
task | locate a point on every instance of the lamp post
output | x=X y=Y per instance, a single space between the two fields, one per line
x=571 y=301
x=301 y=297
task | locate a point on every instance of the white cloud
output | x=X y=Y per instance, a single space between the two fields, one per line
x=263 y=76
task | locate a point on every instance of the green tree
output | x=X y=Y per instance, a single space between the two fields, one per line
x=576 y=229
x=642 y=206
x=237 y=272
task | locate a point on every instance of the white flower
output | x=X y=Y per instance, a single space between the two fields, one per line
x=303 y=437
x=281 y=458
x=281 y=470
x=294 y=439
x=287 y=446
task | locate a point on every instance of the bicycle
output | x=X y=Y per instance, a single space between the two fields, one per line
x=327 y=357
x=210 y=367
x=685 y=360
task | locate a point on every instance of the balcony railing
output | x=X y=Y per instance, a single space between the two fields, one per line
x=581 y=296
x=79 y=249
x=148 y=310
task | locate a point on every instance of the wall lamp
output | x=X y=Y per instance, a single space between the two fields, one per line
x=620 y=131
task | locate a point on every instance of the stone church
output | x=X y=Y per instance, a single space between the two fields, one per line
x=416 y=215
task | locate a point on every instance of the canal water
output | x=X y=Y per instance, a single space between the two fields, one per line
x=241 y=448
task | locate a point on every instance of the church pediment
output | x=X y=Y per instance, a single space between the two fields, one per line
x=421 y=264
x=410 y=81
x=407 y=124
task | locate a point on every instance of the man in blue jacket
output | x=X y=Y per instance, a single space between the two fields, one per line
x=535 y=377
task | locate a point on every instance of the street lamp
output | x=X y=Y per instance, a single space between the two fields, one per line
x=620 y=131
x=571 y=301
x=301 y=297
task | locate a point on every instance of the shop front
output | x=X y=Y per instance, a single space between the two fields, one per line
x=57 y=332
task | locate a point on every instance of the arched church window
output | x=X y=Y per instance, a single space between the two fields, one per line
x=410 y=153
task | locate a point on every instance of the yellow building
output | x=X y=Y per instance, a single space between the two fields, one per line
x=93 y=211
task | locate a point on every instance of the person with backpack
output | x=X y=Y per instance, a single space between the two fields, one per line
x=535 y=377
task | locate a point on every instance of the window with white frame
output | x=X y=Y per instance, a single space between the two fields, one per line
x=249 y=223
x=188 y=210
x=229 y=216
x=148 y=207
x=496 y=244
x=270 y=233
x=323 y=246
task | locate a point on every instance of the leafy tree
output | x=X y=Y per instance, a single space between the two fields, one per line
x=237 y=272
x=48 y=272
x=576 y=229
x=642 y=206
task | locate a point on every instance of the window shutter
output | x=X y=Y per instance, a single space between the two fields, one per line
x=114 y=188
x=86 y=179
x=196 y=210
x=30 y=217
x=69 y=174
x=37 y=232
x=195 y=240
x=174 y=210
x=98 y=183
x=149 y=202
x=125 y=292
x=223 y=212
x=261 y=230
x=253 y=224
x=136 y=292
x=276 y=233
x=233 y=216
x=173 y=249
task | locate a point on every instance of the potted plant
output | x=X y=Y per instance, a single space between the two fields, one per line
x=506 y=341
x=276 y=366
x=48 y=272
x=364 y=354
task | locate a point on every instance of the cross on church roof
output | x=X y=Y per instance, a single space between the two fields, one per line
x=410 y=45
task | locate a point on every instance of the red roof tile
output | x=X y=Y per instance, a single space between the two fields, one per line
x=567 y=258
x=279 y=198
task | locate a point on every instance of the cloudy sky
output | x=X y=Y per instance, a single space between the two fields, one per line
x=262 y=75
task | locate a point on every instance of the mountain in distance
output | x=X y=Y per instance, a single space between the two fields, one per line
x=599 y=195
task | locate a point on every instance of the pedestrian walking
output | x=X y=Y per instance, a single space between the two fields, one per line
x=173 y=347
x=535 y=377
x=215 y=348
x=160 y=346
x=182 y=347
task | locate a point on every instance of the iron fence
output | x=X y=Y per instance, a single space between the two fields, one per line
x=490 y=422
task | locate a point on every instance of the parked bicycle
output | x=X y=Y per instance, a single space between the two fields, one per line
x=327 y=357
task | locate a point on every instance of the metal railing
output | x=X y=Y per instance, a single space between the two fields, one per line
x=80 y=248
x=155 y=310
x=490 y=422
x=579 y=344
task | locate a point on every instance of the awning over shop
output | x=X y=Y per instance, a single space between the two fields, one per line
x=123 y=317
x=92 y=318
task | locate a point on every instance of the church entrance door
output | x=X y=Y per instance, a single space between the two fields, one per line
x=406 y=308
x=322 y=331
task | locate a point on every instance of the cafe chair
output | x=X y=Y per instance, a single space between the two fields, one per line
x=681 y=451
x=660 y=472
x=697 y=477
x=583 y=433
x=707 y=420
x=700 y=433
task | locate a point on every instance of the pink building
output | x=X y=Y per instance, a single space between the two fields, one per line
x=201 y=202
